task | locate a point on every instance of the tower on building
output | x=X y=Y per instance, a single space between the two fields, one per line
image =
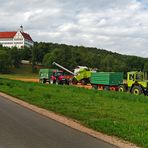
x=21 y=28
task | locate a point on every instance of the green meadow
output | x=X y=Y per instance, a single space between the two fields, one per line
x=120 y=114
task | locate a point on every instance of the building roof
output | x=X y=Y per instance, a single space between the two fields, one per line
x=7 y=34
x=26 y=36
x=12 y=34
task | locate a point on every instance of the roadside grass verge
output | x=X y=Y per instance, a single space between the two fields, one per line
x=119 y=114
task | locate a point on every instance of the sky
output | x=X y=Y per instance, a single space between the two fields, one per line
x=116 y=25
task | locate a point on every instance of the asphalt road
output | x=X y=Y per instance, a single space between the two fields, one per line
x=23 y=128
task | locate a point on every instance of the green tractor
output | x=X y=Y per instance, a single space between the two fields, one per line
x=136 y=83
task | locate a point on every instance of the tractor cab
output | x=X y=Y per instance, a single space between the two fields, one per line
x=136 y=82
x=134 y=77
x=58 y=73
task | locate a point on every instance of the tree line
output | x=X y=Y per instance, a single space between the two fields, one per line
x=70 y=57
x=12 y=57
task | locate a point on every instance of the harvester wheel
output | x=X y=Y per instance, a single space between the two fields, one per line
x=122 y=88
x=83 y=82
x=137 y=90
x=74 y=81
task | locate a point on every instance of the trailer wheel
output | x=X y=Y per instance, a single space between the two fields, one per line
x=106 y=88
x=67 y=82
x=122 y=88
x=137 y=90
x=112 y=88
x=42 y=80
x=95 y=86
x=57 y=82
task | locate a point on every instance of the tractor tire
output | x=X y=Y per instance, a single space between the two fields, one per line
x=137 y=90
x=57 y=82
x=122 y=88
x=67 y=82
x=51 y=81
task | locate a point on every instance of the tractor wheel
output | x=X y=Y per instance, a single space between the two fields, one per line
x=51 y=81
x=57 y=82
x=122 y=88
x=137 y=90
x=67 y=82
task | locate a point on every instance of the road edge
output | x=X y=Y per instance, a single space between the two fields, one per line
x=71 y=123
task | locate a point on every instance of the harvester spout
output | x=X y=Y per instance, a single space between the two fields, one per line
x=60 y=66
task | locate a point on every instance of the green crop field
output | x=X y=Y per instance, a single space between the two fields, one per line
x=119 y=114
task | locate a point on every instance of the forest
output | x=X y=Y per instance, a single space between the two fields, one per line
x=70 y=56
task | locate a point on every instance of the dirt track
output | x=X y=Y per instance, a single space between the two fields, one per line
x=26 y=80
x=36 y=80
x=84 y=86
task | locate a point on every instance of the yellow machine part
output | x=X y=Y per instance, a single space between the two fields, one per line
x=136 y=77
x=83 y=74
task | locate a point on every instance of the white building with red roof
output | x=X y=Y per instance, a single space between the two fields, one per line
x=17 y=39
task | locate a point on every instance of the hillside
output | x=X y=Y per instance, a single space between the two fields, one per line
x=71 y=56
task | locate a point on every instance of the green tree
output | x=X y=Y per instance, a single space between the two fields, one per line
x=26 y=53
x=15 y=56
x=33 y=60
x=5 y=62
x=145 y=69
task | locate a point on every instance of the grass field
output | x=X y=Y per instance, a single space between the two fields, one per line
x=119 y=114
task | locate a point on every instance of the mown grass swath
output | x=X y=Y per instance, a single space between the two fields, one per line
x=120 y=114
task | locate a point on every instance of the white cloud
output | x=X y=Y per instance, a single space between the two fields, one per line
x=119 y=26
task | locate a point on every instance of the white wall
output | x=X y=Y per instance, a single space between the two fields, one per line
x=17 y=41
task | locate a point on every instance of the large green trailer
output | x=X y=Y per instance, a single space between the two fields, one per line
x=45 y=74
x=106 y=80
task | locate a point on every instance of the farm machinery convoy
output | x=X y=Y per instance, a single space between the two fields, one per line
x=136 y=82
